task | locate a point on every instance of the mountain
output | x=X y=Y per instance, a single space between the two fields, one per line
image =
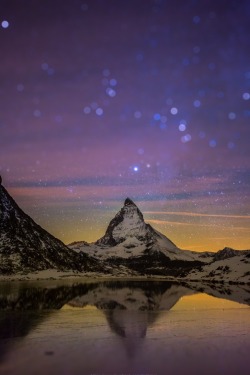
x=132 y=247
x=131 y=243
x=128 y=223
x=129 y=229
x=26 y=247
x=227 y=253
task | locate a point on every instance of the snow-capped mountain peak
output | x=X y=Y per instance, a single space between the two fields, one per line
x=128 y=237
x=129 y=202
x=127 y=223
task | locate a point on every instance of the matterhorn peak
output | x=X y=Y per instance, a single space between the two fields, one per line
x=129 y=202
x=130 y=209
x=128 y=229
x=128 y=222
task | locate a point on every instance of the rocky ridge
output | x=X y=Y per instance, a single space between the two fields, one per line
x=26 y=247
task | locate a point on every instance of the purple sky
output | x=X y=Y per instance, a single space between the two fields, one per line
x=100 y=100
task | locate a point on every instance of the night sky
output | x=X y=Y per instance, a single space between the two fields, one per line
x=104 y=99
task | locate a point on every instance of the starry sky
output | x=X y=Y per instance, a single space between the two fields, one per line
x=104 y=99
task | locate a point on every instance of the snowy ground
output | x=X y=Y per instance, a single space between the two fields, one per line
x=235 y=269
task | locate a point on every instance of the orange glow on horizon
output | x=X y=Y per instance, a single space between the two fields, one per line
x=81 y=215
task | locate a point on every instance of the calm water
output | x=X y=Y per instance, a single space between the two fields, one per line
x=129 y=327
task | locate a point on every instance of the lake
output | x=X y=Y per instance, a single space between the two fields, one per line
x=132 y=327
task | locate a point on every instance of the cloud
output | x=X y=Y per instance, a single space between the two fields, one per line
x=196 y=214
x=166 y=222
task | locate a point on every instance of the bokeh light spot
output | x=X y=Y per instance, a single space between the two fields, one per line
x=113 y=82
x=174 y=111
x=5 y=24
x=182 y=127
x=232 y=116
x=110 y=92
x=186 y=138
x=45 y=66
x=99 y=111
x=87 y=110
x=157 y=117
x=137 y=114
x=246 y=96
x=197 y=103
x=212 y=143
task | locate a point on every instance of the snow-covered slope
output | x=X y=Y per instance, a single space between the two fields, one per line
x=129 y=225
x=228 y=265
x=26 y=247
x=128 y=236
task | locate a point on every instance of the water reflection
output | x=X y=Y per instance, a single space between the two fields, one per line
x=131 y=308
x=110 y=295
x=122 y=302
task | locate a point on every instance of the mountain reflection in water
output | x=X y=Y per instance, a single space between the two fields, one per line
x=130 y=307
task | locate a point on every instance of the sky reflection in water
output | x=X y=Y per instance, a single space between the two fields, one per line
x=123 y=327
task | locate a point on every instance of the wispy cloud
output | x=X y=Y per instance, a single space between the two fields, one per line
x=195 y=214
x=172 y=223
